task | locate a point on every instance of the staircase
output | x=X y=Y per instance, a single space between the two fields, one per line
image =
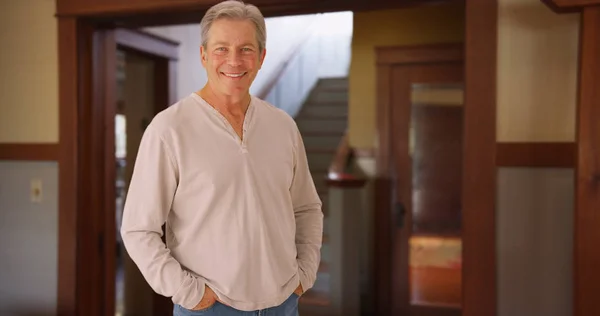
x=322 y=121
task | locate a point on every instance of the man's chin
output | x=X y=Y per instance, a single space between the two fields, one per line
x=236 y=90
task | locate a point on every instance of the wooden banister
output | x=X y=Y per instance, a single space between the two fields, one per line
x=337 y=175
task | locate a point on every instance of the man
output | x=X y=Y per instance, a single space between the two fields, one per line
x=228 y=174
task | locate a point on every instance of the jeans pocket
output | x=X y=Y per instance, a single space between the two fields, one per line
x=182 y=311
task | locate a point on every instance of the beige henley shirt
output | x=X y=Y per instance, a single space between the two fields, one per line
x=242 y=216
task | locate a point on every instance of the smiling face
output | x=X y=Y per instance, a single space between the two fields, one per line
x=232 y=56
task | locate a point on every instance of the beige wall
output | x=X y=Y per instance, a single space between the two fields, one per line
x=537 y=68
x=414 y=26
x=29 y=72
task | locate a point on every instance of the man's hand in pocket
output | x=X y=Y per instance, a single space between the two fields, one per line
x=299 y=290
x=208 y=300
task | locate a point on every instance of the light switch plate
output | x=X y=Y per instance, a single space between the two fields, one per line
x=36 y=191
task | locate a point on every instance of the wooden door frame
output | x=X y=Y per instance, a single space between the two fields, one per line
x=586 y=258
x=479 y=174
x=87 y=237
x=82 y=61
x=406 y=65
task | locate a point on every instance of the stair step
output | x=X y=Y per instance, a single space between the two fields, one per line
x=328 y=96
x=325 y=110
x=329 y=126
x=316 y=150
x=338 y=134
x=333 y=89
x=341 y=117
x=321 y=140
x=333 y=83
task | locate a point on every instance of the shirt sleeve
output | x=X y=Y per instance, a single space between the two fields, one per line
x=309 y=217
x=148 y=203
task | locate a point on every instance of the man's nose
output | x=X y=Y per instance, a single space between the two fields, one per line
x=234 y=58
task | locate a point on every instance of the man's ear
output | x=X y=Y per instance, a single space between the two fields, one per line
x=262 y=58
x=203 y=56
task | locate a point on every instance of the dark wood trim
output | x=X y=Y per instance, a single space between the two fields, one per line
x=587 y=184
x=569 y=6
x=424 y=310
x=147 y=43
x=105 y=107
x=479 y=173
x=401 y=167
x=419 y=54
x=536 y=155
x=68 y=76
x=34 y=152
x=345 y=182
x=90 y=132
x=138 y=13
x=382 y=262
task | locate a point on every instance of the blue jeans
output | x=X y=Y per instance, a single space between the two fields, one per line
x=288 y=308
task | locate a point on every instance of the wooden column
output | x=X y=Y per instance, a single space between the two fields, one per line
x=587 y=187
x=67 y=165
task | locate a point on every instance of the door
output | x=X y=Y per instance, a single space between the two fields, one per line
x=426 y=142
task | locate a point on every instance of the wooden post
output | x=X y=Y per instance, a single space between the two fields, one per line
x=587 y=187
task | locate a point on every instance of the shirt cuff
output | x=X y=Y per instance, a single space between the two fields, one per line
x=190 y=293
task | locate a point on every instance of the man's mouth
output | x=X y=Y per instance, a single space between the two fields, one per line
x=233 y=74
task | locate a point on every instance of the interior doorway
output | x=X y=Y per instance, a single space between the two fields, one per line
x=424 y=97
x=138 y=83
x=135 y=109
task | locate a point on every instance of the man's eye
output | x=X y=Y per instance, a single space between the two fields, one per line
x=221 y=49
x=246 y=49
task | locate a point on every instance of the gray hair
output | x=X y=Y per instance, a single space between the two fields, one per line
x=238 y=10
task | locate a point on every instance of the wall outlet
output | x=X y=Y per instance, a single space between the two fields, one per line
x=36 y=191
